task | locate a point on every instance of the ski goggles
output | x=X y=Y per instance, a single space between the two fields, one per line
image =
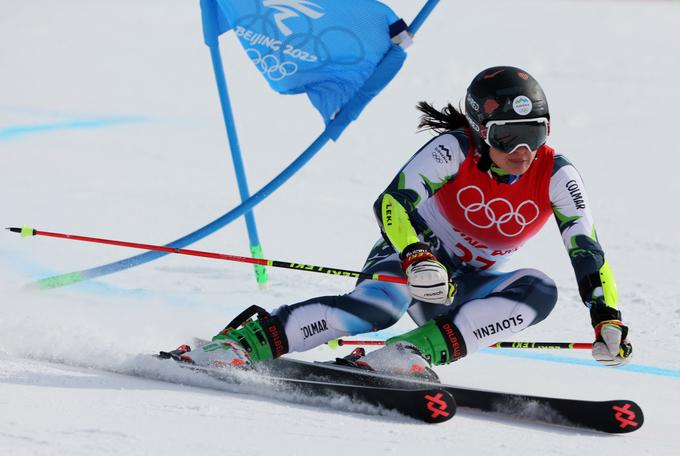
x=508 y=135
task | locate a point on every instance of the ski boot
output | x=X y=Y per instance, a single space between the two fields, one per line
x=439 y=341
x=400 y=359
x=435 y=343
x=211 y=354
x=240 y=344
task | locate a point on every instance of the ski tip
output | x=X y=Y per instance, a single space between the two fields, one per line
x=626 y=417
x=437 y=406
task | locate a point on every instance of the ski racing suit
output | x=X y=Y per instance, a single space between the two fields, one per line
x=473 y=222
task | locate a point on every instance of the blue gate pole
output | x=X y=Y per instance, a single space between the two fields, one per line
x=227 y=114
x=422 y=16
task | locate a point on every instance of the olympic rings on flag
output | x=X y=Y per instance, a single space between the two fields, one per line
x=270 y=66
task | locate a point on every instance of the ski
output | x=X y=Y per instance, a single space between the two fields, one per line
x=430 y=404
x=612 y=416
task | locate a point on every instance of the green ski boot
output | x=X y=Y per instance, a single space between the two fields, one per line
x=262 y=339
x=240 y=344
x=438 y=340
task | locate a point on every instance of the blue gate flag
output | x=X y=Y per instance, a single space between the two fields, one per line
x=215 y=23
x=327 y=49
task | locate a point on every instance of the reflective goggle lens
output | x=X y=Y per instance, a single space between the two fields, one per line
x=510 y=135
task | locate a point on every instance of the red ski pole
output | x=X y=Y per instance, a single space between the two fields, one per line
x=28 y=232
x=335 y=343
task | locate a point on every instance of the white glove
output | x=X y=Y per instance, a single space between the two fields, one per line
x=611 y=346
x=428 y=279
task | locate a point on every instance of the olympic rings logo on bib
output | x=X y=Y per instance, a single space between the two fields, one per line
x=498 y=212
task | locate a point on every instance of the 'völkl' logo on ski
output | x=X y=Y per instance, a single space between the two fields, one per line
x=436 y=405
x=628 y=419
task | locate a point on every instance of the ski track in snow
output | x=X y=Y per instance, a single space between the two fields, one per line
x=110 y=127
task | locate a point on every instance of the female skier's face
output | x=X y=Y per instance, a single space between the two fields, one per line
x=516 y=163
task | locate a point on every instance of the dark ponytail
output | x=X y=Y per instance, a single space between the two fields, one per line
x=448 y=119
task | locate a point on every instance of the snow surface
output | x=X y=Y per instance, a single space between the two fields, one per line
x=110 y=126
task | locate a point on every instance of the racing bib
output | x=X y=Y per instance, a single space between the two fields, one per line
x=498 y=215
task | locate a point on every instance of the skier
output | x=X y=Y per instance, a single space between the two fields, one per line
x=455 y=213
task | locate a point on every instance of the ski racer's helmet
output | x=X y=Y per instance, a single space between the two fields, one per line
x=506 y=108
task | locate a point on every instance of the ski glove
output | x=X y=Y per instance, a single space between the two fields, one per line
x=428 y=279
x=611 y=346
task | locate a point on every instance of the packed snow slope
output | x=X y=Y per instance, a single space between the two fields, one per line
x=110 y=126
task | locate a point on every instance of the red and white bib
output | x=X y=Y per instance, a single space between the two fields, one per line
x=498 y=215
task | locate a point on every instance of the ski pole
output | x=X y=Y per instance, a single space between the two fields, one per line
x=335 y=343
x=28 y=232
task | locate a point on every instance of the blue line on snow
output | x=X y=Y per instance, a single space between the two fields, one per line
x=637 y=368
x=552 y=358
x=9 y=133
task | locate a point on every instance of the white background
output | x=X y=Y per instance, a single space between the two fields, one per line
x=156 y=167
